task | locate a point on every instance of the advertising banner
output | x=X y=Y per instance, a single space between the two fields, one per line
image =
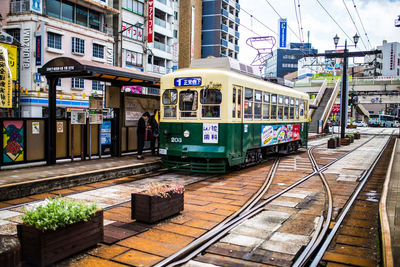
x=210 y=133
x=282 y=32
x=5 y=80
x=150 y=21
x=276 y=134
x=12 y=59
x=105 y=133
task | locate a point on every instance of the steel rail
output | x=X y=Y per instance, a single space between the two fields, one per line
x=216 y=233
x=199 y=243
x=364 y=179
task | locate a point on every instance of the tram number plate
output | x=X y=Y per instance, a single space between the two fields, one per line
x=162 y=151
x=176 y=140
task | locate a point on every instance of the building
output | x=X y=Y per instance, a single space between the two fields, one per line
x=53 y=28
x=284 y=61
x=208 y=28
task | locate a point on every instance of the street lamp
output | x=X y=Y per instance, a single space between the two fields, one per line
x=344 y=93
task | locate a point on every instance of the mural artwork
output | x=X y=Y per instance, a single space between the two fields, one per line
x=13 y=141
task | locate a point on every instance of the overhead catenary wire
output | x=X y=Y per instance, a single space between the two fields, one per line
x=358 y=14
x=301 y=21
x=351 y=17
x=297 y=18
x=281 y=17
x=263 y=24
x=334 y=20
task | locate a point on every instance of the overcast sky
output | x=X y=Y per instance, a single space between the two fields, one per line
x=377 y=17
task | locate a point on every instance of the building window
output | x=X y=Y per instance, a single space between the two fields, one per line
x=67 y=12
x=78 y=45
x=133 y=6
x=176 y=15
x=133 y=58
x=53 y=8
x=77 y=83
x=97 y=86
x=94 y=20
x=175 y=33
x=98 y=51
x=15 y=33
x=54 y=40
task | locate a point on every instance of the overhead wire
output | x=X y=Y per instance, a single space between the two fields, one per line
x=351 y=17
x=297 y=18
x=366 y=35
x=301 y=21
x=334 y=20
x=281 y=18
x=241 y=9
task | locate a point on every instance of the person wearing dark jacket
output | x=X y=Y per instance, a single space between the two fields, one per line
x=154 y=131
x=141 y=132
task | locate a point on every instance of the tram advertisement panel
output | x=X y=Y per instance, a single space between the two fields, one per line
x=276 y=134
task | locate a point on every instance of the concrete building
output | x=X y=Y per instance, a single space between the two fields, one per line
x=49 y=29
x=208 y=28
x=284 y=61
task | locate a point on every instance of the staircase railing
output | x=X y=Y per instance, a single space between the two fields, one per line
x=318 y=98
x=329 y=105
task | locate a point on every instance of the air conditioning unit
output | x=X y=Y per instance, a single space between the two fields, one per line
x=6 y=38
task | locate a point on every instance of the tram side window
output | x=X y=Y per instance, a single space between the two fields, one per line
x=257 y=104
x=248 y=103
x=239 y=103
x=297 y=109
x=210 y=100
x=286 y=108
x=273 y=106
x=280 y=107
x=301 y=108
x=233 y=102
x=266 y=104
x=188 y=103
x=291 y=116
x=169 y=98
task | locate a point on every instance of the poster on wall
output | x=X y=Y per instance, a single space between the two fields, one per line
x=5 y=80
x=276 y=134
x=60 y=126
x=210 y=133
x=13 y=141
x=78 y=117
x=95 y=116
x=105 y=133
x=35 y=127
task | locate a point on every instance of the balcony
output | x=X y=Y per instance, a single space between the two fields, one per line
x=162 y=47
x=224 y=43
x=237 y=20
x=162 y=1
x=19 y=6
x=237 y=34
x=160 y=22
x=224 y=28
x=224 y=12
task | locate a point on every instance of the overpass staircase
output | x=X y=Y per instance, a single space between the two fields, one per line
x=324 y=101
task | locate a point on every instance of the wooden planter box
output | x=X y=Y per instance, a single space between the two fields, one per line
x=357 y=136
x=332 y=143
x=351 y=139
x=337 y=142
x=43 y=248
x=345 y=141
x=10 y=251
x=150 y=209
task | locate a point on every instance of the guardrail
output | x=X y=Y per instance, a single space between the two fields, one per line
x=352 y=81
x=318 y=98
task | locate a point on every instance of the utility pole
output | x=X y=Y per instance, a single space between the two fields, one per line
x=344 y=92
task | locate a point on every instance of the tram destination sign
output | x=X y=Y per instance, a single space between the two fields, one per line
x=192 y=81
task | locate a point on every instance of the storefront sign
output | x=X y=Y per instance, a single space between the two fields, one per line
x=210 y=133
x=5 y=80
x=36 y=6
x=26 y=49
x=39 y=43
x=150 y=21
x=12 y=59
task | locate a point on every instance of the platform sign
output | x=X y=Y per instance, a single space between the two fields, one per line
x=210 y=133
x=193 y=81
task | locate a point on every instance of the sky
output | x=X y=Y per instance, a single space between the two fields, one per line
x=377 y=17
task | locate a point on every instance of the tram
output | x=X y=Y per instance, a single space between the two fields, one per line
x=213 y=119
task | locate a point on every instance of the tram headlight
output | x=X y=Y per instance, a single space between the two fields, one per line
x=186 y=133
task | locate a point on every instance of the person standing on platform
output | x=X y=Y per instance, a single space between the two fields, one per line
x=141 y=132
x=153 y=122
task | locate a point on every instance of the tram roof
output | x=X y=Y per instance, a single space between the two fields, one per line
x=66 y=67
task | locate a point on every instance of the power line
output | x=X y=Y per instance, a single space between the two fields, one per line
x=299 y=24
x=351 y=17
x=241 y=9
x=366 y=35
x=334 y=21
x=301 y=21
x=281 y=17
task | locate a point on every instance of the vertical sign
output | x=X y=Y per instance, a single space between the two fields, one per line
x=282 y=32
x=12 y=59
x=39 y=33
x=5 y=80
x=36 y=6
x=150 y=21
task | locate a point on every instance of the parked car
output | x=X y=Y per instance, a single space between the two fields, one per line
x=361 y=124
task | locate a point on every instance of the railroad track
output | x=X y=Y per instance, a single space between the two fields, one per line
x=255 y=207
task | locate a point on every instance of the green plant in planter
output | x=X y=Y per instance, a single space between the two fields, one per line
x=57 y=213
x=163 y=190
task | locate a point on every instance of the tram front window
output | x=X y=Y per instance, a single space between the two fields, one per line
x=169 y=98
x=188 y=104
x=210 y=100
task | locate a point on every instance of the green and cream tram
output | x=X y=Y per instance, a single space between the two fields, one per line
x=212 y=119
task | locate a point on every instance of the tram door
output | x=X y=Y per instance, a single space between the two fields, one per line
x=237 y=125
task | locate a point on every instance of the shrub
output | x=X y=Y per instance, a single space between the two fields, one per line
x=57 y=213
x=163 y=190
x=332 y=139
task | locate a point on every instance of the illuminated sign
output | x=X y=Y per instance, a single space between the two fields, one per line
x=282 y=32
x=150 y=22
x=196 y=81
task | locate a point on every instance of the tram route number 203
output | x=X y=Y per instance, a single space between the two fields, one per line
x=176 y=140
